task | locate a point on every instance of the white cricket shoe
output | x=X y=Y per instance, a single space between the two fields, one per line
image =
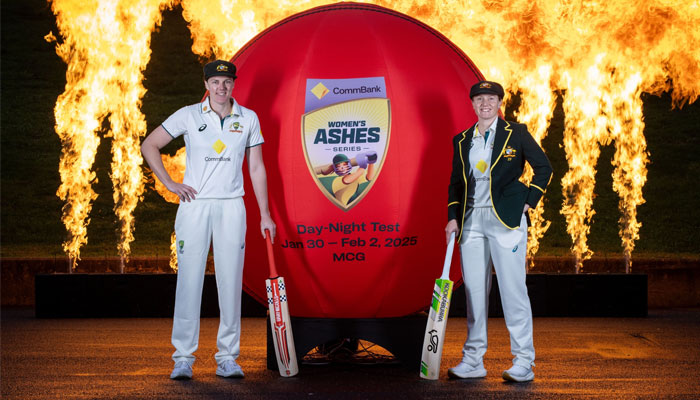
x=518 y=373
x=182 y=370
x=464 y=371
x=229 y=369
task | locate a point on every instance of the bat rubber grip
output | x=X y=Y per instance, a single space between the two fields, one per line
x=448 y=258
x=270 y=255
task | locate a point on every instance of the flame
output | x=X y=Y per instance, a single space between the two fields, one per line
x=585 y=129
x=626 y=127
x=106 y=45
x=173 y=252
x=175 y=165
x=535 y=111
x=221 y=28
x=599 y=57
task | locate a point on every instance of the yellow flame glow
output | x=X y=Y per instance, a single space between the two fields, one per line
x=175 y=165
x=173 y=252
x=584 y=131
x=220 y=28
x=106 y=45
x=535 y=111
x=626 y=126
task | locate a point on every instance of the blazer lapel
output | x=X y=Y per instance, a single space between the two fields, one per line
x=503 y=131
x=466 y=145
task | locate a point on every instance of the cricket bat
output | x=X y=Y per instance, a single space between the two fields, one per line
x=437 y=319
x=280 y=322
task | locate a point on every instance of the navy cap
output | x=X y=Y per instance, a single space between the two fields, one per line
x=219 y=68
x=486 y=87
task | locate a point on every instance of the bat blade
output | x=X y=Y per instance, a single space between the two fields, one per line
x=437 y=320
x=280 y=323
x=435 y=329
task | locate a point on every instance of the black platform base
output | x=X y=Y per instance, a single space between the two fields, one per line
x=123 y=296
x=402 y=337
x=572 y=295
x=153 y=295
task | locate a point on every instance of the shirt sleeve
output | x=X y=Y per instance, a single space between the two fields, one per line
x=176 y=124
x=255 y=137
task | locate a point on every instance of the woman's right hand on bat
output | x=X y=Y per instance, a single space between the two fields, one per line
x=451 y=227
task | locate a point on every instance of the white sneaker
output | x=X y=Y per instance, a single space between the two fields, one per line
x=464 y=370
x=229 y=369
x=182 y=370
x=518 y=373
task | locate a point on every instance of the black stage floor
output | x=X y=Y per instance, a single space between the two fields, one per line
x=577 y=358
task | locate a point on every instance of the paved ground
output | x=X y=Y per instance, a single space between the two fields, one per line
x=592 y=358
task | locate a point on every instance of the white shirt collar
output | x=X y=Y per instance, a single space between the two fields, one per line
x=205 y=107
x=491 y=128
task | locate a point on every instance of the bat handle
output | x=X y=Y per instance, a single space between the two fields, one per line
x=448 y=257
x=270 y=255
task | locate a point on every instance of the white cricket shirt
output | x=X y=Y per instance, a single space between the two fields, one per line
x=480 y=167
x=215 y=148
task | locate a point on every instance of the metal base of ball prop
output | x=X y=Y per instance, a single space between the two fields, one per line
x=322 y=341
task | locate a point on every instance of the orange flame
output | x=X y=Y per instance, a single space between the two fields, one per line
x=626 y=127
x=222 y=28
x=175 y=165
x=584 y=130
x=106 y=46
x=173 y=252
x=537 y=105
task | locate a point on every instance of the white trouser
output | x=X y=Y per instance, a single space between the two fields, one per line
x=197 y=222
x=484 y=239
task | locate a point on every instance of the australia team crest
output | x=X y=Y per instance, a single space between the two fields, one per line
x=345 y=136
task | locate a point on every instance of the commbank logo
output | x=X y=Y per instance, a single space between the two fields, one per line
x=319 y=91
x=218 y=146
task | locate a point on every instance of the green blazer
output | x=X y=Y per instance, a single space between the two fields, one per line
x=512 y=147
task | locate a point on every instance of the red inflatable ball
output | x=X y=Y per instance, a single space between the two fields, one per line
x=358 y=105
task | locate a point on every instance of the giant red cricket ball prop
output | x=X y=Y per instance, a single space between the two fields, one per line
x=358 y=105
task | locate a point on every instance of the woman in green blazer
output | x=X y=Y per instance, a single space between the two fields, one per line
x=487 y=209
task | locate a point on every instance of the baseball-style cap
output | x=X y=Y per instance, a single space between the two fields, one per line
x=219 y=68
x=486 y=87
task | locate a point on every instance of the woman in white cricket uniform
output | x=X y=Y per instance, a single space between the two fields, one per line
x=219 y=133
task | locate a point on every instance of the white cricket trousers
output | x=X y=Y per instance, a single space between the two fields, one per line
x=486 y=239
x=196 y=224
